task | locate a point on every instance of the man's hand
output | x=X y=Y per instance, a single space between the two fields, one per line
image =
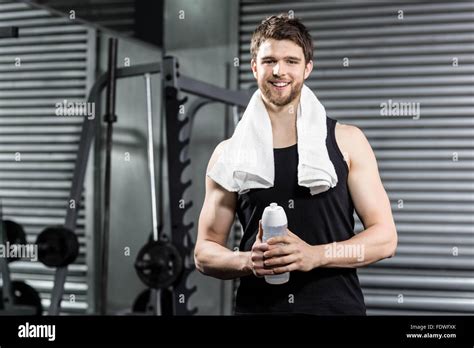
x=290 y=253
x=256 y=255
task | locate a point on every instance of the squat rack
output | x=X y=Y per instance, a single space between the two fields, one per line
x=178 y=134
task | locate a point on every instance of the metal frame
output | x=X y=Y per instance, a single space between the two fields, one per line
x=177 y=141
x=110 y=118
x=90 y=209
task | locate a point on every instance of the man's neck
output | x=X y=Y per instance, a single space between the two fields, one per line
x=283 y=121
x=282 y=116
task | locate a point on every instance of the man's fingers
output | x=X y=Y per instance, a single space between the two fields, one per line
x=284 y=269
x=279 y=250
x=260 y=247
x=260 y=270
x=260 y=232
x=282 y=239
x=263 y=272
x=279 y=261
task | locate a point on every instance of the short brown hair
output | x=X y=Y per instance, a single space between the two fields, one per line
x=282 y=27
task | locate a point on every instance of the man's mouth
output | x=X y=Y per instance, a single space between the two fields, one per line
x=279 y=84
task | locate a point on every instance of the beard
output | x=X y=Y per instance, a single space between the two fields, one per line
x=279 y=99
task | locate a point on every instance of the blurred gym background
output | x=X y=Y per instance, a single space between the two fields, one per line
x=366 y=53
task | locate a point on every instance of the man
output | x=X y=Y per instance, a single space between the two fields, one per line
x=321 y=250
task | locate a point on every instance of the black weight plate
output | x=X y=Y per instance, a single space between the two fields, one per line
x=15 y=235
x=158 y=264
x=143 y=300
x=23 y=294
x=140 y=304
x=57 y=246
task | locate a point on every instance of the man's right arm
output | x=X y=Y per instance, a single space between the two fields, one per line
x=211 y=255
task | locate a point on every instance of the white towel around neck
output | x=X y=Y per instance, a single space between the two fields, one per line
x=246 y=161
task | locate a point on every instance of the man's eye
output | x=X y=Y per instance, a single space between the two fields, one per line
x=268 y=61
x=293 y=62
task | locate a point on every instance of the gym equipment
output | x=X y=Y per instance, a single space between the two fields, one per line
x=178 y=139
x=17 y=298
x=110 y=118
x=158 y=264
x=23 y=296
x=142 y=303
x=58 y=246
x=14 y=235
x=145 y=300
x=178 y=131
x=151 y=156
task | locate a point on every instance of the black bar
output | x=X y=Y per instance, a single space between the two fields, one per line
x=58 y=291
x=381 y=331
x=110 y=118
x=138 y=70
x=207 y=90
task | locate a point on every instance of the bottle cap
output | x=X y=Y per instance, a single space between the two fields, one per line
x=274 y=215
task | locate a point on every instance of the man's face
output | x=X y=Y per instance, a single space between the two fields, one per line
x=280 y=70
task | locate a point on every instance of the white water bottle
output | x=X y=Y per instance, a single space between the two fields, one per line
x=274 y=224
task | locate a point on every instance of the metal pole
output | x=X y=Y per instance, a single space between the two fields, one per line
x=151 y=156
x=110 y=119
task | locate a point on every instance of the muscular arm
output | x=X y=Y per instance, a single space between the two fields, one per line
x=379 y=238
x=211 y=255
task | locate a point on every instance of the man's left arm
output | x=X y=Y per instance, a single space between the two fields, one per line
x=377 y=241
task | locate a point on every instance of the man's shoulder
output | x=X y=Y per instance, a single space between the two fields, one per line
x=350 y=134
x=348 y=131
x=351 y=141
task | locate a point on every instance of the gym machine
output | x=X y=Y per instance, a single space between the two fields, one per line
x=17 y=297
x=163 y=264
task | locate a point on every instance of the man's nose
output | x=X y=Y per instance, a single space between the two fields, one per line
x=276 y=69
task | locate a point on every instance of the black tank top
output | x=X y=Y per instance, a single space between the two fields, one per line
x=320 y=219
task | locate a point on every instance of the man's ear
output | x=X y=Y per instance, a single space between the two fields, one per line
x=253 y=65
x=308 y=69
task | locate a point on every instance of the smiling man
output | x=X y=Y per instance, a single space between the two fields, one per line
x=321 y=249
